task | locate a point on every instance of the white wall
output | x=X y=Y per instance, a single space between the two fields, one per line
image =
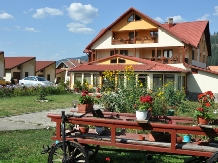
x=202 y=82
x=27 y=67
x=51 y=71
x=8 y=75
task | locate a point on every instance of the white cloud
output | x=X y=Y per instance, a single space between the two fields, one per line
x=159 y=19
x=79 y=28
x=6 y=16
x=216 y=11
x=176 y=19
x=44 y=12
x=204 y=17
x=82 y=13
x=25 y=12
x=31 y=29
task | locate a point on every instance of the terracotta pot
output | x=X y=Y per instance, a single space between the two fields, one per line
x=84 y=108
x=179 y=139
x=84 y=130
x=141 y=137
x=203 y=121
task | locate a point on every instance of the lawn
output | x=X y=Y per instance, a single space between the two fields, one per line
x=19 y=105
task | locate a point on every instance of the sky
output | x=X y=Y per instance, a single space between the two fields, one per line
x=52 y=30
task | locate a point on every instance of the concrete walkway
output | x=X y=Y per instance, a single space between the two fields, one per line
x=30 y=121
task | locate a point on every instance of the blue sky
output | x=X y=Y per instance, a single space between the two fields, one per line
x=56 y=29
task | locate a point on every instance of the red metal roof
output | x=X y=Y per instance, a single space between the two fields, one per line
x=189 y=32
x=199 y=68
x=11 y=62
x=43 y=64
x=143 y=65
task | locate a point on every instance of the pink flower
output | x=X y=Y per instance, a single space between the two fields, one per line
x=108 y=159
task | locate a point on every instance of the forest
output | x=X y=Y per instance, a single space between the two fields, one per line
x=213 y=60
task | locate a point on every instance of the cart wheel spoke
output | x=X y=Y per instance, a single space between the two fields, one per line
x=74 y=153
x=91 y=150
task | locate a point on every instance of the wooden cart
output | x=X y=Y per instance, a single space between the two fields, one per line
x=79 y=147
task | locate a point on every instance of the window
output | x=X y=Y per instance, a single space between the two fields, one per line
x=26 y=74
x=112 y=52
x=124 y=52
x=158 y=81
x=134 y=17
x=193 y=54
x=143 y=79
x=87 y=77
x=153 y=33
x=131 y=18
x=48 y=77
x=131 y=35
x=121 y=61
x=114 y=60
x=168 y=53
x=158 y=53
x=168 y=78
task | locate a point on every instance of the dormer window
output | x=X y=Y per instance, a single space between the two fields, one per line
x=133 y=17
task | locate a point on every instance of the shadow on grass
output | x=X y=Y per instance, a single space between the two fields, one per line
x=134 y=156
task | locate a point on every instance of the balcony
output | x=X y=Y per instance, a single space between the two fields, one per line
x=164 y=60
x=138 y=40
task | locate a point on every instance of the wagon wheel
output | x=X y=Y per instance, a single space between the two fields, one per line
x=91 y=150
x=74 y=153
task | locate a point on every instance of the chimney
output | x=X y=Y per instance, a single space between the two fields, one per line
x=170 y=22
x=78 y=60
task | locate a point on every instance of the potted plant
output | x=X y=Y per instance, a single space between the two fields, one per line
x=144 y=105
x=86 y=102
x=77 y=86
x=202 y=113
x=84 y=128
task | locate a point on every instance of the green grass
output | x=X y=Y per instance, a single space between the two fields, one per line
x=26 y=146
x=19 y=105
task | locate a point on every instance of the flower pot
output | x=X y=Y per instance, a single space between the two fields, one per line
x=170 y=112
x=141 y=137
x=203 y=121
x=84 y=108
x=83 y=130
x=141 y=115
x=179 y=139
x=187 y=138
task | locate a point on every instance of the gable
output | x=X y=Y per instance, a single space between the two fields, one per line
x=117 y=60
x=143 y=23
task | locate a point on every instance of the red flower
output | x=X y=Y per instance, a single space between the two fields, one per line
x=200 y=109
x=146 y=98
x=83 y=94
x=207 y=104
x=108 y=159
x=98 y=96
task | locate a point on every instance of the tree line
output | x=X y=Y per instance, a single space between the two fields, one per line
x=213 y=60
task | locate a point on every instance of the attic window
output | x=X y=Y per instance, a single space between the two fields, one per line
x=121 y=61
x=114 y=60
x=133 y=18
